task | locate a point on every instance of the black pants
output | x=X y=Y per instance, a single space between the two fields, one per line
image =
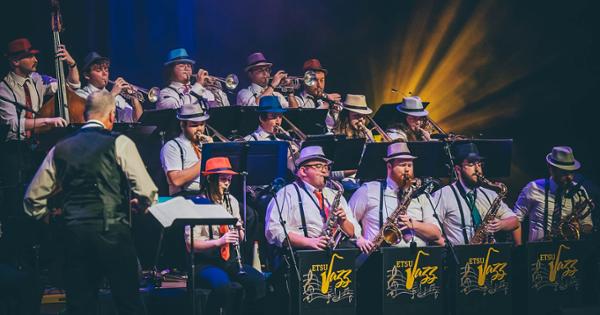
x=90 y=255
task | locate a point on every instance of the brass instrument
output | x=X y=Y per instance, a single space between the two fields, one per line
x=293 y=83
x=569 y=227
x=332 y=228
x=481 y=236
x=389 y=232
x=384 y=135
x=231 y=82
x=295 y=144
x=139 y=93
x=301 y=135
x=365 y=132
x=217 y=134
x=236 y=246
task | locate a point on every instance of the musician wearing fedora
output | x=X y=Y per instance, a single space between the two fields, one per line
x=353 y=114
x=96 y=72
x=178 y=72
x=411 y=124
x=375 y=201
x=216 y=257
x=181 y=157
x=544 y=202
x=304 y=206
x=315 y=97
x=24 y=85
x=463 y=204
x=259 y=73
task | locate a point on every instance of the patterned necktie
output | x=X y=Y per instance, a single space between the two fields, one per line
x=322 y=209
x=187 y=88
x=225 y=248
x=474 y=210
x=29 y=105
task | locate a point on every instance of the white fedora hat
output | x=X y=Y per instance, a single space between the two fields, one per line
x=412 y=106
x=563 y=158
x=357 y=103
x=309 y=153
x=192 y=112
x=398 y=150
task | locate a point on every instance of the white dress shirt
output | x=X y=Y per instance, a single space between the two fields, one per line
x=172 y=96
x=365 y=206
x=170 y=157
x=531 y=203
x=124 y=110
x=448 y=210
x=13 y=89
x=287 y=199
x=247 y=96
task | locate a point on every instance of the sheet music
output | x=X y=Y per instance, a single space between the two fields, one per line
x=181 y=208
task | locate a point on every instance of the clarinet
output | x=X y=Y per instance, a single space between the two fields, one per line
x=236 y=246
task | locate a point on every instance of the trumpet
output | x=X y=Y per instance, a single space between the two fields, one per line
x=231 y=82
x=293 y=83
x=139 y=93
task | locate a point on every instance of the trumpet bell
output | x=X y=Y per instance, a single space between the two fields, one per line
x=310 y=78
x=153 y=94
x=231 y=82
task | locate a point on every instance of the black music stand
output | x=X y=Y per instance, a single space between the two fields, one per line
x=311 y=121
x=248 y=120
x=164 y=119
x=228 y=119
x=259 y=162
x=181 y=212
x=345 y=153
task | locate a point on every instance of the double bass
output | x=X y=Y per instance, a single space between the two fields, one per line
x=65 y=103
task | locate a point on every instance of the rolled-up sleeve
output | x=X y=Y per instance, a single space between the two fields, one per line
x=128 y=158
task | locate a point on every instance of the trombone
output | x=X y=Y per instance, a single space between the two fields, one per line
x=139 y=93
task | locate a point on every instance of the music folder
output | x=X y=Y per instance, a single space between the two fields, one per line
x=185 y=212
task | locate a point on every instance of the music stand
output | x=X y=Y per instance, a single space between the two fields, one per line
x=164 y=119
x=181 y=212
x=345 y=153
x=227 y=120
x=311 y=121
x=259 y=162
x=248 y=121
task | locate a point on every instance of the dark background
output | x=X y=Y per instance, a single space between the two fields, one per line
x=509 y=69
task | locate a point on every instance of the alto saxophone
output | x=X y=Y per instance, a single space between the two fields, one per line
x=332 y=227
x=389 y=232
x=569 y=227
x=481 y=236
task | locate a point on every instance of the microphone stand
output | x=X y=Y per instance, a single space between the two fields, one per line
x=287 y=260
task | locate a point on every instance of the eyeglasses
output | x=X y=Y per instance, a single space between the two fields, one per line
x=265 y=70
x=319 y=166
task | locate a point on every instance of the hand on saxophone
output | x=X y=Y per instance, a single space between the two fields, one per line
x=364 y=244
x=494 y=226
x=317 y=242
x=341 y=215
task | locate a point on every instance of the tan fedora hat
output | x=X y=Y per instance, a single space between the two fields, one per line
x=357 y=103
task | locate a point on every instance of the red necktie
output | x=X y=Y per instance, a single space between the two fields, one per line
x=322 y=209
x=225 y=248
x=29 y=105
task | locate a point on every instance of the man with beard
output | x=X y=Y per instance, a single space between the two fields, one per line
x=412 y=121
x=96 y=72
x=375 y=201
x=315 y=96
x=259 y=72
x=462 y=205
x=546 y=201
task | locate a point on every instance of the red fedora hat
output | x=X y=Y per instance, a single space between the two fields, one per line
x=20 y=48
x=218 y=165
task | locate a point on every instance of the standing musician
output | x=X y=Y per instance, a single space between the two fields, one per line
x=259 y=72
x=92 y=171
x=217 y=247
x=305 y=206
x=462 y=205
x=375 y=201
x=352 y=117
x=315 y=96
x=547 y=201
x=178 y=74
x=181 y=157
x=411 y=125
x=96 y=72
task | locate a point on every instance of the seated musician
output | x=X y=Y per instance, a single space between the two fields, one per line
x=178 y=72
x=462 y=205
x=217 y=261
x=315 y=96
x=182 y=156
x=352 y=117
x=96 y=72
x=375 y=201
x=411 y=125
x=262 y=84
x=547 y=201
x=305 y=206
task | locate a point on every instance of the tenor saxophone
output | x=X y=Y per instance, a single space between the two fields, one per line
x=332 y=228
x=481 y=236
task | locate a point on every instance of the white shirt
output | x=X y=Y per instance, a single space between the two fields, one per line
x=531 y=203
x=201 y=232
x=247 y=96
x=365 y=206
x=124 y=110
x=172 y=96
x=259 y=135
x=13 y=89
x=216 y=98
x=287 y=199
x=170 y=157
x=449 y=212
